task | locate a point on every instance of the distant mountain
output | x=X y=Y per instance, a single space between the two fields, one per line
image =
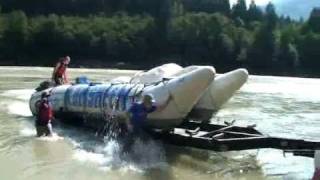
x=292 y=8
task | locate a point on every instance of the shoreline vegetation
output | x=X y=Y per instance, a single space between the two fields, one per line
x=143 y=34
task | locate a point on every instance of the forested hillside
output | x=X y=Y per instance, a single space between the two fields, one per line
x=144 y=33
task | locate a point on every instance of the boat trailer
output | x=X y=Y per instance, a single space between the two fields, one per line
x=231 y=138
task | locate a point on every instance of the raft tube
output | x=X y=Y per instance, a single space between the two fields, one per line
x=90 y=105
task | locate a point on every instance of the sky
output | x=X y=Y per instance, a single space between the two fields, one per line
x=292 y=8
x=258 y=2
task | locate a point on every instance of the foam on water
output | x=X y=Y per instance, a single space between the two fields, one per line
x=19 y=105
x=31 y=132
x=292 y=167
x=53 y=138
x=28 y=132
x=21 y=94
x=19 y=108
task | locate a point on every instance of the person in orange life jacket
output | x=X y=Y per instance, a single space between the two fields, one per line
x=44 y=117
x=59 y=74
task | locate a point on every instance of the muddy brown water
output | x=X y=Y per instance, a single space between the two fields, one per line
x=280 y=106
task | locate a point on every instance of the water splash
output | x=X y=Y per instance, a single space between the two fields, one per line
x=86 y=156
x=148 y=154
x=55 y=137
x=31 y=132
x=109 y=155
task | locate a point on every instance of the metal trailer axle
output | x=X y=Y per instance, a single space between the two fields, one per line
x=231 y=138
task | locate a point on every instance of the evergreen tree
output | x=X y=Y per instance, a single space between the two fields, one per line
x=254 y=12
x=208 y=6
x=314 y=20
x=225 y=7
x=242 y=44
x=265 y=48
x=309 y=50
x=271 y=16
x=289 y=56
x=177 y=8
x=240 y=10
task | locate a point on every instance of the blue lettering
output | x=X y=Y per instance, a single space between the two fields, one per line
x=78 y=97
x=96 y=100
x=90 y=99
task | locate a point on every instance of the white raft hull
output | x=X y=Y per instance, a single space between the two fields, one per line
x=221 y=89
x=90 y=105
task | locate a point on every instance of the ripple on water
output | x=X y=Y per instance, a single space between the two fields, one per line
x=276 y=164
x=279 y=106
x=19 y=108
x=16 y=102
x=21 y=94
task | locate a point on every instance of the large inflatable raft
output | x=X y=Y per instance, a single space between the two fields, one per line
x=219 y=91
x=197 y=92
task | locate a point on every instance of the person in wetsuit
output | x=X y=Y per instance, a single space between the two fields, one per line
x=44 y=116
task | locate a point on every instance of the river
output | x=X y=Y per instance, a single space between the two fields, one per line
x=279 y=106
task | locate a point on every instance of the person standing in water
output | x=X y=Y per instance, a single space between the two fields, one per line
x=137 y=117
x=59 y=75
x=44 y=116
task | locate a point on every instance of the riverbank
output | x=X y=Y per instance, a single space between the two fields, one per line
x=98 y=64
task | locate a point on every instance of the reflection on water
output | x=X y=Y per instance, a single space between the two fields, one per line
x=286 y=107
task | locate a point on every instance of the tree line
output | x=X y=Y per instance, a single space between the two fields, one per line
x=144 y=33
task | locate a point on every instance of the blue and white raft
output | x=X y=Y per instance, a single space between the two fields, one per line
x=219 y=91
x=91 y=103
